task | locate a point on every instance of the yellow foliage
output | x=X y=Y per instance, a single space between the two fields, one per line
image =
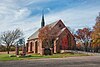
x=96 y=35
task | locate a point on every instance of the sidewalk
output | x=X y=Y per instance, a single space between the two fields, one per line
x=75 y=51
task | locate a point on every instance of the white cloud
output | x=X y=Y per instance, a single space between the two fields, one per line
x=76 y=17
x=22 y=13
x=15 y=14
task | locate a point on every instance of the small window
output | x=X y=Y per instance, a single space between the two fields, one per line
x=59 y=25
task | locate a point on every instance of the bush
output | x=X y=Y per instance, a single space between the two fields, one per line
x=2 y=48
x=12 y=48
x=47 y=51
x=12 y=55
x=28 y=55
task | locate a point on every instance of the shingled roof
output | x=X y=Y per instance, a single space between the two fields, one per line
x=35 y=35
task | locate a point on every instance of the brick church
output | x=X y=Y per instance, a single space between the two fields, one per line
x=64 y=40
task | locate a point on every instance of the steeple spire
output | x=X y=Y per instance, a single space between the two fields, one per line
x=98 y=18
x=43 y=21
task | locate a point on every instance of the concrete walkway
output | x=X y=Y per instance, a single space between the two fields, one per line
x=75 y=51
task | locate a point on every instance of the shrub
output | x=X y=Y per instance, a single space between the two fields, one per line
x=47 y=51
x=12 y=55
x=12 y=48
x=2 y=48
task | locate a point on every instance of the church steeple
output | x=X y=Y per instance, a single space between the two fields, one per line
x=43 y=21
x=98 y=18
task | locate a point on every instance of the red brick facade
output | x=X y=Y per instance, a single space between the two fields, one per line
x=63 y=41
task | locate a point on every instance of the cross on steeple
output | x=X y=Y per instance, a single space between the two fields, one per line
x=42 y=21
x=99 y=13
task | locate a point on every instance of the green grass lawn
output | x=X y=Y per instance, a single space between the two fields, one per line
x=5 y=57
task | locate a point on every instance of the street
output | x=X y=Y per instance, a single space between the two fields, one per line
x=86 y=61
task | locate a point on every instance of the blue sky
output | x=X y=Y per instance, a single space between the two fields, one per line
x=26 y=14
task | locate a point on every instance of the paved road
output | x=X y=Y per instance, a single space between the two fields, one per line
x=87 y=61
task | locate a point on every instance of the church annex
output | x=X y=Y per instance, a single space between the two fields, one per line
x=64 y=40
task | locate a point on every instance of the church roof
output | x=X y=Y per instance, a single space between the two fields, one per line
x=35 y=35
x=54 y=23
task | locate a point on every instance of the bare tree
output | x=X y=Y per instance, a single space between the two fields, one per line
x=46 y=37
x=9 y=38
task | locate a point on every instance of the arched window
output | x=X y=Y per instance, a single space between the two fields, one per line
x=69 y=41
x=65 y=43
x=36 y=47
x=60 y=26
x=27 y=45
x=52 y=43
x=31 y=46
